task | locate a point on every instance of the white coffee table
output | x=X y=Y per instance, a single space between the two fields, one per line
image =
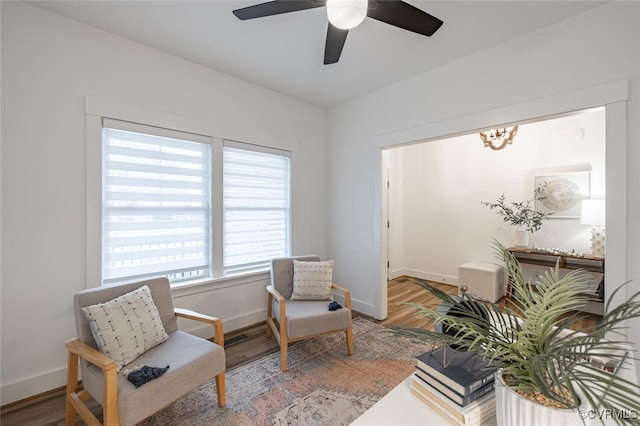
x=401 y=408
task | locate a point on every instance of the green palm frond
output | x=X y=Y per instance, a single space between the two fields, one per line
x=532 y=340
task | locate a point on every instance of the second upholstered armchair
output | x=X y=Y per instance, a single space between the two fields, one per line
x=299 y=299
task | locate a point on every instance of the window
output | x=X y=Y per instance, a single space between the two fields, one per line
x=156 y=206
x=160 y=212
x=256 y=207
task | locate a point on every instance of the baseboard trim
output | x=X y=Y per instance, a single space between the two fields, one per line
x=362 y=307
x=429 y=276
x=26 y=402
x=34 y=387
x=230 y=324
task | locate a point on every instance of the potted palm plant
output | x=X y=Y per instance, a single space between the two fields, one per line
x=540 y=357
x=521 y=214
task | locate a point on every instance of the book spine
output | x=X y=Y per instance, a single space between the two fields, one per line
x=488 y=388
x=418 y=388
x=462 y=390
x=450 y=393
x=479 y=383
x=476 y=416
x=481 y=415
x=434 y=406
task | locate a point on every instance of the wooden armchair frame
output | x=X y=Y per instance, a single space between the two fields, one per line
x=75 y=399
x=278 y=326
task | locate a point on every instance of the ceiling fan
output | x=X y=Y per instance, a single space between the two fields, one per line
x=347 y=14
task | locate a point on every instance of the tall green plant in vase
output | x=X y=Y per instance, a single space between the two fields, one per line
x=522 y=215
x=540 y=356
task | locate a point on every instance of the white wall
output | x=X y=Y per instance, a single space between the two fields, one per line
x=49 y=65
x=566 y=57
x=444 y=181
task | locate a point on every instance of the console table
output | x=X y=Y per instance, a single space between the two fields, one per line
x=535 y=263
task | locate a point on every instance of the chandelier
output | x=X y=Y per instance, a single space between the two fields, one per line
x=498 y=138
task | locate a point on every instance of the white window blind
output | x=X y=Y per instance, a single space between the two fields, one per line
x=256 y=190
x=156 y=203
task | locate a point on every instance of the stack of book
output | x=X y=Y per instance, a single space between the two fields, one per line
x=457 y=385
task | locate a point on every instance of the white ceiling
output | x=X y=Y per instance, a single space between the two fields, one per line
x=285 y=52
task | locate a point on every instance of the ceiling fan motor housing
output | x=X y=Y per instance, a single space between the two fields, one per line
x=346 y=14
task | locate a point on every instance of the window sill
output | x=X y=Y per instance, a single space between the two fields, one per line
x=194 y=287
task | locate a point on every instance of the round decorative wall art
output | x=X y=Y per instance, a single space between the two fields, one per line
x=563 y=194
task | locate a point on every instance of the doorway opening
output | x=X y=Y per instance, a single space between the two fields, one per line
x=435 y=189
x=470 y=221
x=435 y=219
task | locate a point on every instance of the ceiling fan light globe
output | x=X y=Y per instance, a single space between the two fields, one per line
x=346 y=14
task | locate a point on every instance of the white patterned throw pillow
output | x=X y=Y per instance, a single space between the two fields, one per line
x=127 y=326
x=312 y=280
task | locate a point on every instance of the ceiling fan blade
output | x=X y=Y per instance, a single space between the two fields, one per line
x=405 y=16
x=334 y=44
x=276 y=7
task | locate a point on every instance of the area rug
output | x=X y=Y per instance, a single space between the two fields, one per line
x=322 y=386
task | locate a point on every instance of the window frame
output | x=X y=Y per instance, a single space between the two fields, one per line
x=151 y=136
x=98 y=109
x=273 y=152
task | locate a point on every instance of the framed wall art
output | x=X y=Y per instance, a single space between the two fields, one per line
x=563 y=194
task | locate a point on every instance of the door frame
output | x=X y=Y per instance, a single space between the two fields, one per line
x=612 y=96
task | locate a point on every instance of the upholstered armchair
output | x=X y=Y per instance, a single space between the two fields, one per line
x=293 y=320
x=192 y=361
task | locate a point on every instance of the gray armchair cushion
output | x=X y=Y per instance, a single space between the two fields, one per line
x=305 y=318
x=192 y=362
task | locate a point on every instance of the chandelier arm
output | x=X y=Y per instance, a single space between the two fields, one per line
x=506 y=141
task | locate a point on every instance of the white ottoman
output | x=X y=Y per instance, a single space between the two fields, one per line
x=484 y=280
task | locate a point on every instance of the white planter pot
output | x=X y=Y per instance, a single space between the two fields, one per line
x=514 y=409
x=521 y=238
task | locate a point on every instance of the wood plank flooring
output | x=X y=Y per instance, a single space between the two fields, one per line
x=404 y=290
x=48 y=409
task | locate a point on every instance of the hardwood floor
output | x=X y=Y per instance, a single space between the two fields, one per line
x=48 y=409
x=404 y=290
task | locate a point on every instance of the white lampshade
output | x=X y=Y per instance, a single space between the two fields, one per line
x=346 y=14
x=593 y=212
